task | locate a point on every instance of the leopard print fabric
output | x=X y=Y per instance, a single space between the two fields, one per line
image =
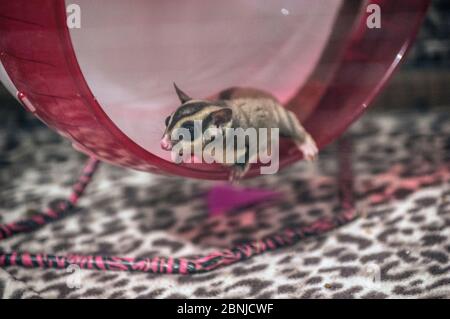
x=399 y=247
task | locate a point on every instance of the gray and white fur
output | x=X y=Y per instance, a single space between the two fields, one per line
x=237 y=108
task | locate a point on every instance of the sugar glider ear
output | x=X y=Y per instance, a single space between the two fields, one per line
x=221 y=116
x=181 y=95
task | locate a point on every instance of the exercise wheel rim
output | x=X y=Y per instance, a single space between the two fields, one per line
x=396 y=62
x=140 y=158
x=96 y=108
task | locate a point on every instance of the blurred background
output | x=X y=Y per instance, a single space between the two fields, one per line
x=423 y=80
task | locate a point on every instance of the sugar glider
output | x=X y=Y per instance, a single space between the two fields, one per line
x=237 y=108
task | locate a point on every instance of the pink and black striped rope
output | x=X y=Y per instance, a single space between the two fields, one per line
x=55 y=211
x=170 y=265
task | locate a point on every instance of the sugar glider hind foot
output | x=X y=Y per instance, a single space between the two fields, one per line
x=308 y=148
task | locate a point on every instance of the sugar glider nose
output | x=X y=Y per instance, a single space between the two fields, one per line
x=166 y=144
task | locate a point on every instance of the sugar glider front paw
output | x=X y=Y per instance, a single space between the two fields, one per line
x=237 y=172
x=309 y=149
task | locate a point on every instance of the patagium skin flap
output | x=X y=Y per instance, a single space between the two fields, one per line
x=236 y=108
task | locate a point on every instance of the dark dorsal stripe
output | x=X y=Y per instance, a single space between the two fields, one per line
x=227 y=94
x=187 y=110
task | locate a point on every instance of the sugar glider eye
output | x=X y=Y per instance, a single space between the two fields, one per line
x=189 y=125
x=167 y=120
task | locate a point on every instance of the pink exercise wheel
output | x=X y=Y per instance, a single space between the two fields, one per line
x=107 y=85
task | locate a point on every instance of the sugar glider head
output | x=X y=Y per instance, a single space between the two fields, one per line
x=194 y=116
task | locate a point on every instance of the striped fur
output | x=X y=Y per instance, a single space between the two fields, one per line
x=250 y=108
